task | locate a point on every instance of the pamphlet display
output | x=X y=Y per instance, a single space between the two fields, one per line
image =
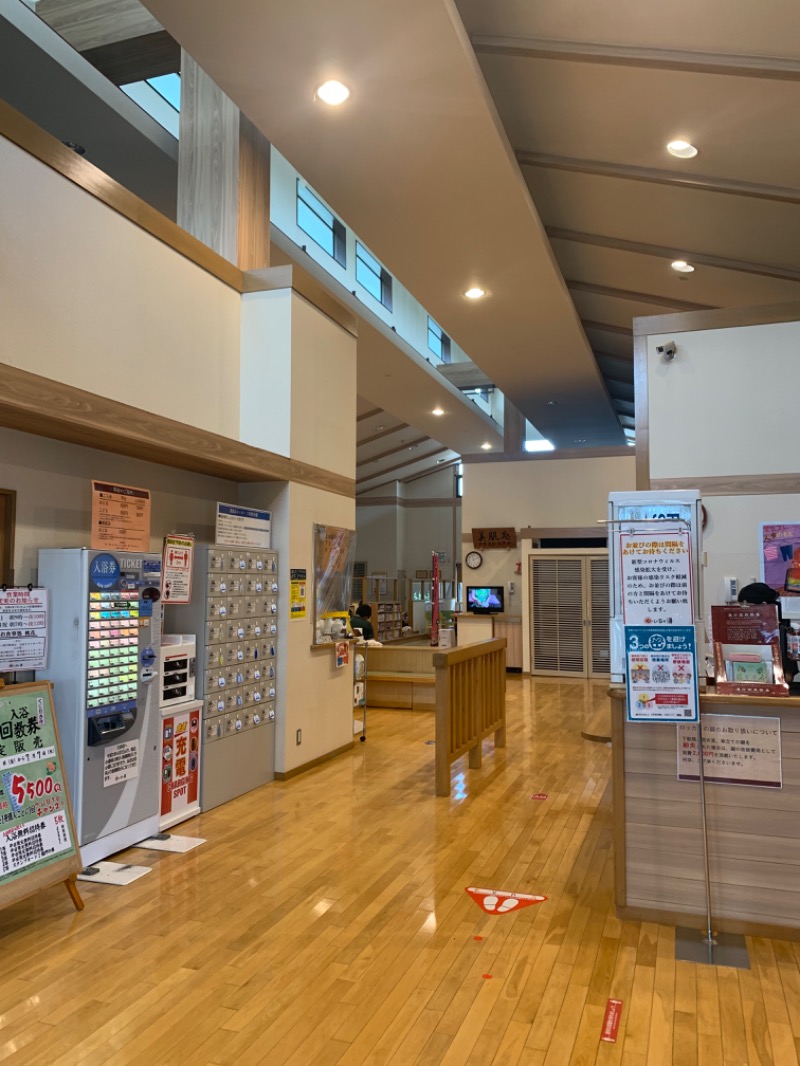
x=662 y=674
x=23 y=628
x=747 y=650
x=38 y=842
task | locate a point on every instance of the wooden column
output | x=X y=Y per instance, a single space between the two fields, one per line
x=223 y=172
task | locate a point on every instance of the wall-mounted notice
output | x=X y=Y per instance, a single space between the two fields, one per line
x=120 y=517
x=243 y=527
x=297 y=602
x=661 y=674
x=177 y=569
x=780 y=557
x=23 y=629
x=37 y=835
x=656 y=579
x=736 y=751
x=120 y=763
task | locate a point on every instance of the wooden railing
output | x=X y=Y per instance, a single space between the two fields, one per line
x=470 y=704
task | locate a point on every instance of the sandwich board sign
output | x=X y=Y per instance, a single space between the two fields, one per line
x=38 y=843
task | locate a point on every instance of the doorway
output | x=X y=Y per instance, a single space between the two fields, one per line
x=569 y=623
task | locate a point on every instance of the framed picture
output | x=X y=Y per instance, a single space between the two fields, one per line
x=422 y=574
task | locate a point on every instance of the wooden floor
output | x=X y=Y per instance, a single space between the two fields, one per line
x=325 y=921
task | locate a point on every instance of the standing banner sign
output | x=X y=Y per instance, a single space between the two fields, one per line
x=661 y=674
x=38 y=843
x=435 y=599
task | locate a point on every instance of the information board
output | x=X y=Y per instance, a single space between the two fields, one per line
x=656 y=579
x=661 y=674
x=737 y=750
x=120 y=517
x=38 y=843
x=242 y=527
x=23 y=629
x=176 y=574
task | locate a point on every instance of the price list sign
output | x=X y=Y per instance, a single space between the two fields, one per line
x=23 y=629
x=120 y=517
x=36 y=828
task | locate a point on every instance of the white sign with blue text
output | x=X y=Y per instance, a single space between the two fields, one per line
x=242 y=527
x=661 y=674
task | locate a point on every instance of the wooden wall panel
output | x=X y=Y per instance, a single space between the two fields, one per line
x=92 y=23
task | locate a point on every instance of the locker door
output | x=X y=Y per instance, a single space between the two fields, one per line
x=557 y=608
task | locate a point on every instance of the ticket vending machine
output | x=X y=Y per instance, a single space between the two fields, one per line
x=105 y=637
x=656 y=512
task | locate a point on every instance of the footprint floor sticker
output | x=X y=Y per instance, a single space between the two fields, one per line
x=493 y=901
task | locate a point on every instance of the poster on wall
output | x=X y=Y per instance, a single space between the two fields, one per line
x=780 y=557
x=177 y=568
x=661 y=674
x=334 y=555
x=297 y=594
x=23 y=629
x=243 y=527
x=180 y=766
x=656 y=579
x=120 y=517
x=736 y=751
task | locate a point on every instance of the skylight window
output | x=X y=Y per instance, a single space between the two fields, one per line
x=373 y=276
x=160 y=97
x=438 y=341
x=321 y=225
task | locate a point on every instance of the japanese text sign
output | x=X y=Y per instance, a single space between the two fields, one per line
x=661 y=674
x=120 y=517
x=497 y=537
x=656 y=579
x=23 y=629
x=176 y=576
x=736 y=751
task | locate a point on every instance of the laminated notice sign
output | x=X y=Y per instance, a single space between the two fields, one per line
x=177 y=569
x=120 y=763
x=737 y=750
x=661 y=674
x=120 y=517
x=243 y=527
x=656 y=573
x=23 y=629
x=37 y=835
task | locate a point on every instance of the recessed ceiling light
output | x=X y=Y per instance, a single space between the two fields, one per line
x=682 y=266
x=552 y=403
x=486 y=446
x=682 y=149
x=475 y=293
x=332 y=92
x=437 y=411
x=378 y=429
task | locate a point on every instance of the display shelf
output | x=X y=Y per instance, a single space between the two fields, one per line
x=387 y=620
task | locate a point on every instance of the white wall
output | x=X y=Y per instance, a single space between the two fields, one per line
x=537 y=493
x=313 y=695
x=54 y=506
x=90 y=299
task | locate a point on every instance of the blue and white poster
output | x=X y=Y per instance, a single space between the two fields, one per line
x=243 y=527
x=661 y=674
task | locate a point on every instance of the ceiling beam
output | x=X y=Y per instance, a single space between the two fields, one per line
x=607 y=327
x=742 y=66
x=756 y=190
x=384 y=433
x=465 y=375
x=137 y=58
x=557 y=233
x=399 y=466
x=371 y=414
x=636 y=297
x=405 y=446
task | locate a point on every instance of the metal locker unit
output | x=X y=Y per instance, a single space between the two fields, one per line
x=105 y=635
x=234 y=615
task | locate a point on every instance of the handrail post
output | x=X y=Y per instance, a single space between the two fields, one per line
x=442 y=728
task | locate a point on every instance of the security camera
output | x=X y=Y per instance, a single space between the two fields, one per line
x=667 y=351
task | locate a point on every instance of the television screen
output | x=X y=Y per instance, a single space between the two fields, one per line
x=486 y=599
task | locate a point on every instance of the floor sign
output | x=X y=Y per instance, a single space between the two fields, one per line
x=492 y=901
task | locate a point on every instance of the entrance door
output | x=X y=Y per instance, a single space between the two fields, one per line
x=569 y=615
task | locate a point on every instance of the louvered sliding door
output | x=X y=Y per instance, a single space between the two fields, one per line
x=557 y=639
x=569 y=615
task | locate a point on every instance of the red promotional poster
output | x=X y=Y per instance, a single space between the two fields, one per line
x=180 y=765
x=435 y=599
x=747 y=651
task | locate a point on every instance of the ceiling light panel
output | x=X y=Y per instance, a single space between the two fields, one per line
x=332 y=93
x=682 y=149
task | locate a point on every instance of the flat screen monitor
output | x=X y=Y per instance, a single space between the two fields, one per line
x=485 y=599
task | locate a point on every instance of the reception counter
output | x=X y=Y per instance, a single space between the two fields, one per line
x=754 y=830
x=473 y=628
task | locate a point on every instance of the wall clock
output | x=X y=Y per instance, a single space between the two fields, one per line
x=473 y=560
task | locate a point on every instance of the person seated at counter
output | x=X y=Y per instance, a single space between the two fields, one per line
x=361 y=621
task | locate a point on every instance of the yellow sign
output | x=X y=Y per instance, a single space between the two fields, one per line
x=297 y=595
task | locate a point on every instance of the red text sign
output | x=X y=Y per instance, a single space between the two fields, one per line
x=608 y=1034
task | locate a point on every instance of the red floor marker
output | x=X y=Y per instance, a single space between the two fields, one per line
x=493 y=901
x=486 y=976
x=477 y=938
x=539 y=796
x=608 y=1033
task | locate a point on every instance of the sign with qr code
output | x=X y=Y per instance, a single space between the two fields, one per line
x=36 y=827
x=661 y=674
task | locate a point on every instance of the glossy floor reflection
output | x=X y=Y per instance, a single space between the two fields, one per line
x=326 y=921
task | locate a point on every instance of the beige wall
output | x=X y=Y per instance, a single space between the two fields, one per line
x=88 y=298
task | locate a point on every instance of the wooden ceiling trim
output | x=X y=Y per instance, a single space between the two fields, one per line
x=704 y=183
x=721 y=318
x=559 y=233
x=741 y=66
x=546 y=457
x=637 y=297
x=136 y=58
x=401 y=466
x=34 y=404
x=383 y=433
x=405 y=446
x=374 y=413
